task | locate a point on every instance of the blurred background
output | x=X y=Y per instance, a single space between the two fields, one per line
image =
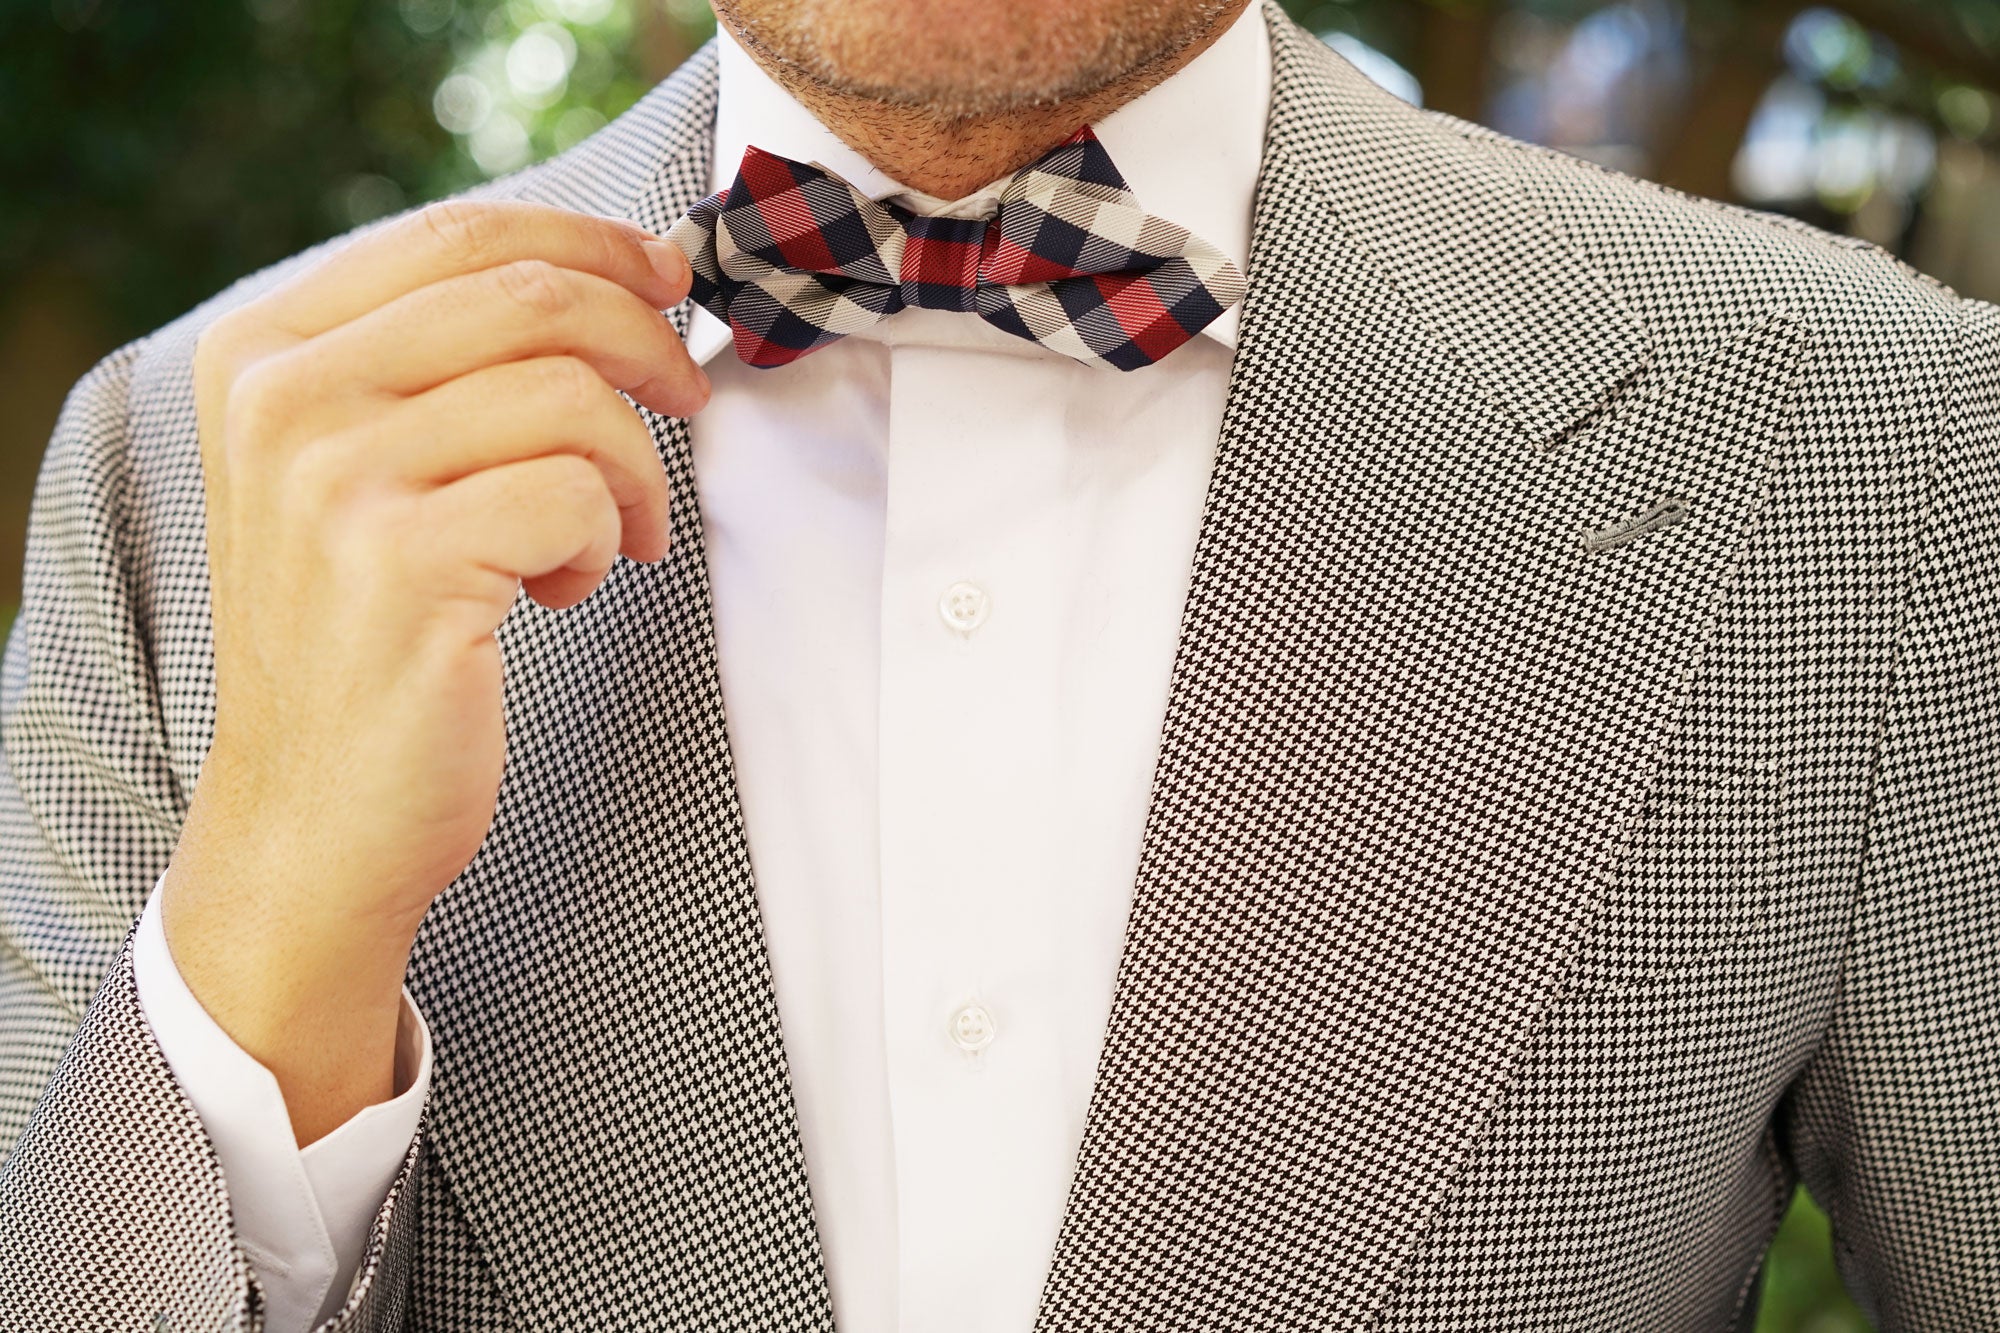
x=156 y=151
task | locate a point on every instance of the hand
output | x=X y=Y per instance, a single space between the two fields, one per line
x=394 y=443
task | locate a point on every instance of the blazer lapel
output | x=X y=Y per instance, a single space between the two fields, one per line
x=610 y=1104
x=1411 y=714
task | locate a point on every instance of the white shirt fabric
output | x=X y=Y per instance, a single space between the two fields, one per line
x=948 y=570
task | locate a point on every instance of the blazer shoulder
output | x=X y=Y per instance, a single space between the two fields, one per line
x=1979 y=380
x=1693 y=269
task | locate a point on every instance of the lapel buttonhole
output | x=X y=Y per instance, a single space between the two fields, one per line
x=1660 y=514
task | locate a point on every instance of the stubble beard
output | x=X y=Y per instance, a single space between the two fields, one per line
x=971 y=74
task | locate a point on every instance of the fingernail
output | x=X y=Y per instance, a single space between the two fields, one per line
x=701 y=378
x=668 y=261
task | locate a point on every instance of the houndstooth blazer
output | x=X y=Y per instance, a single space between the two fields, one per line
x=1577 y=820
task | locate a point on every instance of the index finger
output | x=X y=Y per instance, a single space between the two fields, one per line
x=459 y=236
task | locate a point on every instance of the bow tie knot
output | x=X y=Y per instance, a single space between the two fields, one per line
x=792 y=257
x=942 y=262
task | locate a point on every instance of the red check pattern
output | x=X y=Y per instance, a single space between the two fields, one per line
x=793 y=257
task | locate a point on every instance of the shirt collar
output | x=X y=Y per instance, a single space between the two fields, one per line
x=1189 y=148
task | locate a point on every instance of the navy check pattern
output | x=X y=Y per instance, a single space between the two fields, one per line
x=792 y=257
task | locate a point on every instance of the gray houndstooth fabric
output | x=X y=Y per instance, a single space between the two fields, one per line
x=1533 y=891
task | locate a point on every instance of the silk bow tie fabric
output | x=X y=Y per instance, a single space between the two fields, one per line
x=792 y=258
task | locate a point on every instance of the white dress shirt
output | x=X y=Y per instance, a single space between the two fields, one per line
x=948 y=570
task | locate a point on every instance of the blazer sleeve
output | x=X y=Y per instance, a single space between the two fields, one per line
x=1895 y=1126
x=113 y=1209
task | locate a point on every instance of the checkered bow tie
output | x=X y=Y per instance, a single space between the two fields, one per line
x=792 y=257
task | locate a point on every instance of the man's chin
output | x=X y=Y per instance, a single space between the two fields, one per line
x=966 y=59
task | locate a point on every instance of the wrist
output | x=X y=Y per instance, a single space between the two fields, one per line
x=279 y=956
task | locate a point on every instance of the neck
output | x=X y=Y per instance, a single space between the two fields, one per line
x=951 y=156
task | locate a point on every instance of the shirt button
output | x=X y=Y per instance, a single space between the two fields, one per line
x=964 y=606
x=972 y=1028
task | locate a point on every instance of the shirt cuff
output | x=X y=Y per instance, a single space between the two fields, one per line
x=302 y=1216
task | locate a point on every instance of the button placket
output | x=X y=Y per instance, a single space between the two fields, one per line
x=962 y=692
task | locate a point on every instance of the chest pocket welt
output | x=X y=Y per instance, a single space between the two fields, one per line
x=1695 y=876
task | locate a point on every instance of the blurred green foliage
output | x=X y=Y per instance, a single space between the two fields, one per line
x=160 y=150
x=163 y=149
x=1801 y=1292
